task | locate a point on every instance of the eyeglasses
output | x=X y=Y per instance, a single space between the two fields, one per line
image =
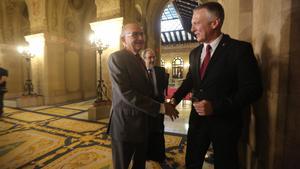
x=135 y=34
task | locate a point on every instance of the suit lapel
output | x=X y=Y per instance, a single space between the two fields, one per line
x=220 y=50
x=140 y=65
x=197 y=61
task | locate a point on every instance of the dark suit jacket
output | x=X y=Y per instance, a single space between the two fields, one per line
x=231 y=82
x=132 y=102
x=162 y=83
x=156 y=123
x=3 y=72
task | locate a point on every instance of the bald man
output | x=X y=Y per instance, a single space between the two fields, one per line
x=132 y=101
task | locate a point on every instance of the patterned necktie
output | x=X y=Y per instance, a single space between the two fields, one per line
x=205 y=61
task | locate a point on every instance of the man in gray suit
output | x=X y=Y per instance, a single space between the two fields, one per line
x=132 y=103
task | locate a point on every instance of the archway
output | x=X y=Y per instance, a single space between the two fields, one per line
x=14 y=26
x=238 y=20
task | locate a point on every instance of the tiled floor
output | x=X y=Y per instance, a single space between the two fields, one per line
x=179 y=125
x=79 y=111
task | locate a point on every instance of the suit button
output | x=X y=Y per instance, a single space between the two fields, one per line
x=200 y=90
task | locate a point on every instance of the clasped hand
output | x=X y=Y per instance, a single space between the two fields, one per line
x=171 y=111
x=203 y=107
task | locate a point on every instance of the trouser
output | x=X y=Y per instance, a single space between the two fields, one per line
x=123 y=152
x=222 y=134
x=156 y=139
x=156 y=147
x=1 y=103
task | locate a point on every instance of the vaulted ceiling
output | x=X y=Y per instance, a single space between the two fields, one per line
x=176 y=22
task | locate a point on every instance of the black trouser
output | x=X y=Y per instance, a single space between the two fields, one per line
x=1 y=103
x=224 y=136
x=123 y=152
x=156 y=139
x=156 y=147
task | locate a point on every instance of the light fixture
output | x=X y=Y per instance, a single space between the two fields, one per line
x=100 y=46
x=28 y=55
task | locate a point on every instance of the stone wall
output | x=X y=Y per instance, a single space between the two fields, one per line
x=60 y=73
x=14 y=24
x=271 y=26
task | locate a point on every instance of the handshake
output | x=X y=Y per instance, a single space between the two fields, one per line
x=170 y=110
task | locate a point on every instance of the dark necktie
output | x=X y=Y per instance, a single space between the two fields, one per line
x=141 y=61
x=150 y=75
x=205 y=61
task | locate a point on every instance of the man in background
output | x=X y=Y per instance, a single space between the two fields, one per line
x=3 y=78
x=156 y=141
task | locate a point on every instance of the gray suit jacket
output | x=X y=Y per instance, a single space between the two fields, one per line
x=132 y=103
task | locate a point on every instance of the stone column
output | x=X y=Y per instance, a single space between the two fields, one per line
x=36 y=71
x=37 y=45
x=108 y=31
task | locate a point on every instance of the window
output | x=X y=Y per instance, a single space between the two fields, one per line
x=175 y=22
x=177 y=68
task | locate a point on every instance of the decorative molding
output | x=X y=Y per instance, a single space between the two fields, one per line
x=178 y=47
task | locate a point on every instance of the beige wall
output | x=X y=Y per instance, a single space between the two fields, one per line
x=13 y=26
x=271 y=26
x=275 y=35
x=59 y=74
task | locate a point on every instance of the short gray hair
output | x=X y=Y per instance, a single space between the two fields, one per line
x=125 y=27
x=144 y=52
x=214 y=8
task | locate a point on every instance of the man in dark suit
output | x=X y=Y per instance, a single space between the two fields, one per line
x=224 y=78
x=156 y=141
x=132 y=101
x=3 y=77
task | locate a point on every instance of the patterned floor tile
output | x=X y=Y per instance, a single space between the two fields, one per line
x=75 y=125
x=10 y=110
x=83 y=115
x=19 y=148
x=63 y=140
x=30 y=117
x=5 y=125
x=94 y=157
x=59 y=111
x=81 y=105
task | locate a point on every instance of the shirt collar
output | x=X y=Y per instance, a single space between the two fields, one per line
x=214 y=44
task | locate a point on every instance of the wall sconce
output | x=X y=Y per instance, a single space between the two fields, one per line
x=28 y=54
x=97 y=43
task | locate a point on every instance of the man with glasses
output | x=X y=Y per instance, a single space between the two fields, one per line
x=132 y=103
